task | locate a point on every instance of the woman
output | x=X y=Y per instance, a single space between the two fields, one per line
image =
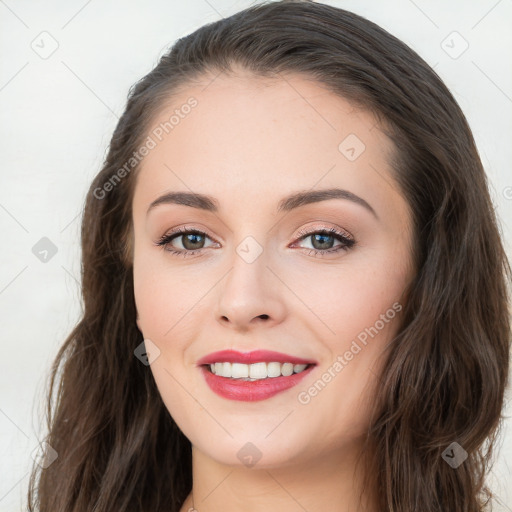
x=295 y=292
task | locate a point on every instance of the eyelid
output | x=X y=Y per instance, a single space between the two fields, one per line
x=180 y=230
x=323 y=228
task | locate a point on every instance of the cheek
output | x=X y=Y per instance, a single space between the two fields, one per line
x=352 y=297
x=149 y=298
x=171 y=305
x=365 y=314
x=164 y=298
x=162 y=294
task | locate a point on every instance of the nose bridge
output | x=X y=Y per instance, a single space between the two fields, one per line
x=248 y=292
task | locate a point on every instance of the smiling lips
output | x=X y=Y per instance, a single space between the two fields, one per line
x=252 y=376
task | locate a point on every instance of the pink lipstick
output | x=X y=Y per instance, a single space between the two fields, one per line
x=252 y=376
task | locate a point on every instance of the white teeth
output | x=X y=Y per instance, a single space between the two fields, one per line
x=239 y=370
x=274 y=369
x=256 y=371
x=226 y=369
x=287 y=369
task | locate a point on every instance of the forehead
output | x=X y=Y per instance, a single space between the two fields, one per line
x=260 y=136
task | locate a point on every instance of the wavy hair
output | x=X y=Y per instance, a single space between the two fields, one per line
x=446 y=370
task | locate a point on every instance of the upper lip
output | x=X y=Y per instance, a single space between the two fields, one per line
x=256 y=356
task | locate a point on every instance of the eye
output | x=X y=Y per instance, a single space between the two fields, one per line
x=322 y=241
x=192 y=241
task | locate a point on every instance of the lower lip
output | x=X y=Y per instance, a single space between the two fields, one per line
x=251 y=391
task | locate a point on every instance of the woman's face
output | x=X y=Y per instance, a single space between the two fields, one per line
x=259 y=274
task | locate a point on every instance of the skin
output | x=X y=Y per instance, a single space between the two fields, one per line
x=250 y=142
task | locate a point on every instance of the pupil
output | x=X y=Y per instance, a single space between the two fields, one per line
x=322 y=241
x=191 y=237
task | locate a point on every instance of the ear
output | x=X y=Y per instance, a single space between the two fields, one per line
x=137 y=320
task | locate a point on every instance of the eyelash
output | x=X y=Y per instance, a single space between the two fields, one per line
x=347 y=242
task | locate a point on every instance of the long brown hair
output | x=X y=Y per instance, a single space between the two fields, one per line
x=446 y=370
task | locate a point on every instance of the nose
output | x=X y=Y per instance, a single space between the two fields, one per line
x=250 y=295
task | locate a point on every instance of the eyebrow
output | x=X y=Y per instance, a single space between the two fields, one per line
x=296 y=200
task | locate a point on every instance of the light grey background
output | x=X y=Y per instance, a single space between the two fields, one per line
x=58 y=112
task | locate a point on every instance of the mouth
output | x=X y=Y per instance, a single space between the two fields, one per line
x=255 y=371
x=252 y=376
